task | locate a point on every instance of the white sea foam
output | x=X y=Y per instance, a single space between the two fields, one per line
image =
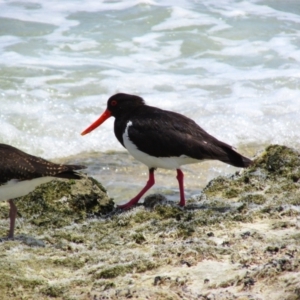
x=232 y=66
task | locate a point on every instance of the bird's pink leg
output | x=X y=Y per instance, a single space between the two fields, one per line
x=12 y=217
x=181 y=188
x=136 y=199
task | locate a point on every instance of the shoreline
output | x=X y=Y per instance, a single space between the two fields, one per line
x=239 y=239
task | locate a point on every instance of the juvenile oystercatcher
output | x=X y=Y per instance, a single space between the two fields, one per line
x=21 y=173
x=163 y=139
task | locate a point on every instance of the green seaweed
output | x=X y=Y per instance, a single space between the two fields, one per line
x=246 y=222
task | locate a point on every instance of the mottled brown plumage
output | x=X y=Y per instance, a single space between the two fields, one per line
x=16 y=164
x=23 y=172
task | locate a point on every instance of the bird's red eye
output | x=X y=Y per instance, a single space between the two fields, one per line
x=114 y=103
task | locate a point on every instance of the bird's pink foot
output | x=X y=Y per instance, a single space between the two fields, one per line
x=136 y=199
x=127 y=205
x=181 y=202
x=12 y=217
x=181 y=188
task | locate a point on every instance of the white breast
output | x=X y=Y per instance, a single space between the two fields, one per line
x=14 y=188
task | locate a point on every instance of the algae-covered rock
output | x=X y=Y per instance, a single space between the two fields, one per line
x=238 y=240
x=62 y=202
x=279 y=161
x=274 y=179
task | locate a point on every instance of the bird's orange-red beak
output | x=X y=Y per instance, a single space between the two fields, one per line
x=97 y=123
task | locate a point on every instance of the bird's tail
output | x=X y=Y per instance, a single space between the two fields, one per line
x=235 y=159
x=69 y=171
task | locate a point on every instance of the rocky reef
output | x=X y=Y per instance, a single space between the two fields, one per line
x=239 y=239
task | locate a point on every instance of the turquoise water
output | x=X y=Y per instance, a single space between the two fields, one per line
x=232 y=66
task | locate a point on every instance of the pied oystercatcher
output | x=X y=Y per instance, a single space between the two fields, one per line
x=21 y=173
x=163 y=139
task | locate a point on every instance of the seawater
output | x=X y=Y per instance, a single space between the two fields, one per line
x=232 y=66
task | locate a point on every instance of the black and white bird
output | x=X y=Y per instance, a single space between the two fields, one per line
x=21 y=173
x=163 y=139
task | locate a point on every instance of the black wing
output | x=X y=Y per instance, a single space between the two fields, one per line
x=164 y=134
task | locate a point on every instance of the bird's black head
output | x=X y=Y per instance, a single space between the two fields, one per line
x=117 y=105
x=120 y=103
